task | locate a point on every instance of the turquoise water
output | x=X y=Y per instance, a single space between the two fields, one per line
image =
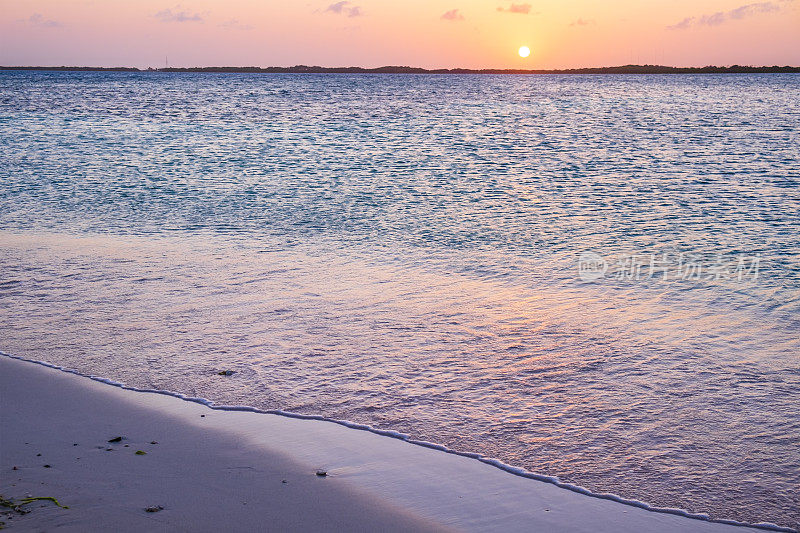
x=410 y=252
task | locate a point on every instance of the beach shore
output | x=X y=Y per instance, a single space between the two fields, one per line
x=202 y=469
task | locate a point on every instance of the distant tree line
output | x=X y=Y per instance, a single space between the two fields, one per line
x=303 y=69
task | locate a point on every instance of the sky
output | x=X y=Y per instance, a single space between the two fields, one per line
x=422 y=33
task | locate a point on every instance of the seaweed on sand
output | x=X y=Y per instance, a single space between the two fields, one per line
x=11 y=506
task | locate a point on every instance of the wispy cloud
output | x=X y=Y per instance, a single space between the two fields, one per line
x=345 y=8
x=38 y=20
x=682 y=25
x=522 y=9
x=721 y=17
x=453 y=15
x=581 y=22
x=234 y=24
x=168 y=15
x=739 y=13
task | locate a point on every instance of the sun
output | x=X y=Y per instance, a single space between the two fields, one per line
x=524 y=51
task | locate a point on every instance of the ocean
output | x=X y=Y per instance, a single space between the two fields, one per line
x=589 y=277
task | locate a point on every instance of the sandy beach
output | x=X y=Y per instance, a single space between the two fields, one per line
x=202 y=469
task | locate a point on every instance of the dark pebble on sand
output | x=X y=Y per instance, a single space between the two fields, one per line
x=47 y=466
x=154 y=509
x=153 y=442
x=38 y=455
x=115 y=439
x=322 y=473
x=226 y=373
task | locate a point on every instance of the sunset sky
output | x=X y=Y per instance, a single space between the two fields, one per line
x=425 y=33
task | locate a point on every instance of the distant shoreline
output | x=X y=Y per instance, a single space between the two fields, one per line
x=302 y=69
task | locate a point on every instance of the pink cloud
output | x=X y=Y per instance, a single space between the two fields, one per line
x=522 y=9
x=344 y=8
x=167 y=15
x=453 y=15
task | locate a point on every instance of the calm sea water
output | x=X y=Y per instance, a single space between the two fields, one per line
x=477 y=261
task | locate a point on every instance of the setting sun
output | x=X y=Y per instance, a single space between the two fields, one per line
x=524 y=51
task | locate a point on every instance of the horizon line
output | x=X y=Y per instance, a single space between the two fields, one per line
x=391 y=69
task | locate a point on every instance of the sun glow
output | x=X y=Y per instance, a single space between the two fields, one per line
x=524 y=51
